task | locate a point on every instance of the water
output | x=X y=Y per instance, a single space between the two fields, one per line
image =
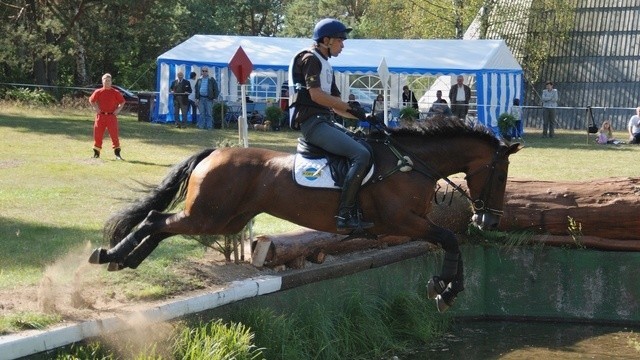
x=533 y=340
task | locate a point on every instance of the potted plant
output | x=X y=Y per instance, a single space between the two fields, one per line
x=506 y=123
x=274 y=115
x=409 y=114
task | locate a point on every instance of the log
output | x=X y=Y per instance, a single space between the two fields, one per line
x=590 y=242
x=314 y=246
x=607 y=211
x=607 y=208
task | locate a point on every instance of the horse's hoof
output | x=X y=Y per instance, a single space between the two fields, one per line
x=97 y=257
x=435 y=287
x=441 y=304
x=114 y=267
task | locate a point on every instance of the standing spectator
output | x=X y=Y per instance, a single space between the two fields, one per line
x=516 y=111
x=192 y=98
x=549 y=103
x=408 y=98
x=634 y=128
x=460 y=95
x=107 y=102
x=181 y=89
x=206 y=91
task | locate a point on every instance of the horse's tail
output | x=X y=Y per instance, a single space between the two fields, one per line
x=169 y=193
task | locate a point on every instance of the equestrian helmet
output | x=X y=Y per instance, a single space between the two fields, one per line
x=331 y=28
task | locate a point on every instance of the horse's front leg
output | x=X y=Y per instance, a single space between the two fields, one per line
x=445 y=287
x=117 y=255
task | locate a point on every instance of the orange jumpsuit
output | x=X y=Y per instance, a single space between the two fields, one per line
x=108 y=101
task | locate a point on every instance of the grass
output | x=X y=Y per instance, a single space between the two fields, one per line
x=26 y=321
x=354 y=327
x=54 y=198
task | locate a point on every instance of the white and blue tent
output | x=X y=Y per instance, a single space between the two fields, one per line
x=498 y=76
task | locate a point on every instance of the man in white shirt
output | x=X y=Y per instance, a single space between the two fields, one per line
x=460 y=95
x=634 y=128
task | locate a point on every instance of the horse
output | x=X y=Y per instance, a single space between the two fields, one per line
x=224 y=188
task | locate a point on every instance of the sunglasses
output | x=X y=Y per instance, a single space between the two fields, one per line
x=205 y=71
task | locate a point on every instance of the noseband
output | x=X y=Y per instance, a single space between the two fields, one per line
x=480 y=204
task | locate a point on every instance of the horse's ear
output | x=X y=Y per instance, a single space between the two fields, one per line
x=513 y=148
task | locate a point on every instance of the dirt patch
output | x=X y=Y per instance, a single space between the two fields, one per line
x=6 y=164
x=68 y=287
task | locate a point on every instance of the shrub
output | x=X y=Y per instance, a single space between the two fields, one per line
x=27 y=96
x=273 y=114
x=409 y=113
x=506 y=122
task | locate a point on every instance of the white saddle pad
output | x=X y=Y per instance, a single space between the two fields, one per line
x=316 y=173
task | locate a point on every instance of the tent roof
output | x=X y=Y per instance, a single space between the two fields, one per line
x=358 y=55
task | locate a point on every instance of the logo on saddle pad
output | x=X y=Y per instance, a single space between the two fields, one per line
x=316 y=173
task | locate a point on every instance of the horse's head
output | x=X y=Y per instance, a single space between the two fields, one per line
x=487 y=184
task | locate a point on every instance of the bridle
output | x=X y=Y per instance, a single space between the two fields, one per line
x=480 y=204
x=405 y=163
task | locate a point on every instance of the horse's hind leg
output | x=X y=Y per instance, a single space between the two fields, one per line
x=117 y=255
x=144 y=249
x=445 y=287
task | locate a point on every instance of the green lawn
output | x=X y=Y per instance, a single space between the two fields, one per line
x=54 y=198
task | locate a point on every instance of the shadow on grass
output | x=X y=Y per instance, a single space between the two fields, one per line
x=35 y=245
x=570 y=141
x=79 y=129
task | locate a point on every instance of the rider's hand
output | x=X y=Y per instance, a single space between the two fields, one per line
x=357 y=111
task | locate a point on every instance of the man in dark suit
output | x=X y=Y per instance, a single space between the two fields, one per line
x=460 y=95
x=180 y=88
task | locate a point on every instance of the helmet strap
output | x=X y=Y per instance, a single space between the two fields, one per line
x=321 y=45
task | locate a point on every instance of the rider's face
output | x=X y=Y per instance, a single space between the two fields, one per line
x=335 y=46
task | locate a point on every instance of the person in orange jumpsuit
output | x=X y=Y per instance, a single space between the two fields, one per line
x=107 y=102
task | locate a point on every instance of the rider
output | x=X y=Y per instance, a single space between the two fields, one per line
x=314 y=97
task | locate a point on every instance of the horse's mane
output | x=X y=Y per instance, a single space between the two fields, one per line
x=443 y=127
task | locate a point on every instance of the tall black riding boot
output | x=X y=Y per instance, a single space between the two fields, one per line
x=348 y=215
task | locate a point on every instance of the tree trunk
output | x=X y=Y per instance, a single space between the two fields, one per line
x=606 y=215
x=292 y=249
x=607 y=208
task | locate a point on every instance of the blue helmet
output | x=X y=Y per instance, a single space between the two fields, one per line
x=330 y=28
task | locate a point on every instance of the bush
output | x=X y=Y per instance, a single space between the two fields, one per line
x=506 y=122
x=273 y=114
x=27 y=96
x=409 y=113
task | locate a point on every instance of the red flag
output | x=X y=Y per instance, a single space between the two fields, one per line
x=241 y=66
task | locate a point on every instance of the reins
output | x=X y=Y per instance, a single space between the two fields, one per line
x=405 y=164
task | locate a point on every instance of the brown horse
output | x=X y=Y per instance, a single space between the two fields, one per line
x=225 y=188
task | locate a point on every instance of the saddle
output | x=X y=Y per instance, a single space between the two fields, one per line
x=311 y=162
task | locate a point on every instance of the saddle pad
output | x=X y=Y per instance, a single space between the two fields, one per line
x=316 y=173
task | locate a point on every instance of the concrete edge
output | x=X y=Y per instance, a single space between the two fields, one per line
x=32 y=342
